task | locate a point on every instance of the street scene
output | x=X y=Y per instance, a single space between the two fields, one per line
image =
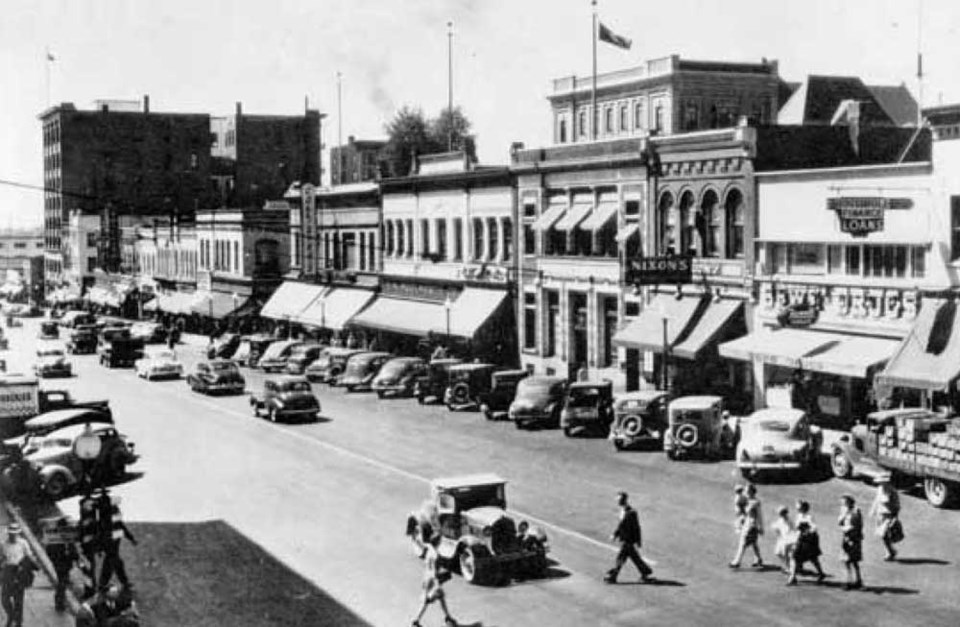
x=464 y=338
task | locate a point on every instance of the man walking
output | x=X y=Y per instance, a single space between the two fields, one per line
x=63 y=555
x=628 y=535
x=15 y=567
x=113 y=531
x=750 y=529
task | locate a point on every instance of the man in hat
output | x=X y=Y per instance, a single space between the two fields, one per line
x=15 y=564
x=64 y=556
x=628 y=535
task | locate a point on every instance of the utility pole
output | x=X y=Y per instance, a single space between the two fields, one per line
x=450 y=84
x=339 y=129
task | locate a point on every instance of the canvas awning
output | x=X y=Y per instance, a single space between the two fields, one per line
x=929 y=357
x=573 y=218
x=708 y=326
x=852 y=357
x=335 y=308
x=399 y=315
x=290 y=300
x=471 y=310
x=549 y=217
x=215 y=305
x=602 y=215
x=645 y=332
x=779 y=347
x=627 y=232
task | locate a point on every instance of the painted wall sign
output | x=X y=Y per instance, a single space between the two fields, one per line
x=861 y=215
x=658 y=270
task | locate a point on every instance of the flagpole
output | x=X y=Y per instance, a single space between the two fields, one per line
x=450 y=84
x=593 y=35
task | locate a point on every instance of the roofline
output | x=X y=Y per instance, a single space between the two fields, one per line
x=918 y=167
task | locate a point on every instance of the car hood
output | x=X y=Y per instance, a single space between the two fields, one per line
x=530 y=404
x=779 y=443
x=484 y=515
x=53 y=361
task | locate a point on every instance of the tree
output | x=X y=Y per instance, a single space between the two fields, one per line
x=411 y=132
x=451 y=130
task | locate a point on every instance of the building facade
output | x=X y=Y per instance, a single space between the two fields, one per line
x=356 y=161
x=21 y=253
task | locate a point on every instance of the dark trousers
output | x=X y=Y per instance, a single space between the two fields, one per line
x=629 y=551
x=112 y=562
x=12 y=594
x=89 y=569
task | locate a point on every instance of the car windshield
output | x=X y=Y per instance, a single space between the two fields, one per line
x=223 y=366
x=775 y=426
x=165 y=356
x=479 y=496
x=296 y=386
x=536 y=389
x=392 y=368
x=583 y=398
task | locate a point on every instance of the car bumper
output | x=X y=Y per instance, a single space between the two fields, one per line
x=530 y=420
x=299 y=412
x=225 y=387
x=767 y=464
x=576 y=425
x=164 y=373
x=396 y=388
x=272 y=364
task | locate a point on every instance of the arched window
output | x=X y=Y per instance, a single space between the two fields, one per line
x=608 y=119
x=689 y=238
x=624 y=119
x=492 y=239
x=400 y=235
x=236 y=257
x=582 y=124
x=666 y=220
x=563 y=131
x=410 y=238
x=712 y=222
x=388 y=228
x=477 y=239
x=734 y=211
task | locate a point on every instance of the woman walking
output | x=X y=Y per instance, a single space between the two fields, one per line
x=886 y=512
x=750 y=530
x=851 y=524
x=808 y=542
x=432 y=584
x=786 y=537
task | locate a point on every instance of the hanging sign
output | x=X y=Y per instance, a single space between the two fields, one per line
x=659 y=270
x=861 y=215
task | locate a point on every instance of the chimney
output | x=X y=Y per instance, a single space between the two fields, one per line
x=239 y=109
x=146 y=103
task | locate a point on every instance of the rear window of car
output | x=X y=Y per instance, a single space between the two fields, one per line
x=297 y=386
x=583 y=398
x=777 y=426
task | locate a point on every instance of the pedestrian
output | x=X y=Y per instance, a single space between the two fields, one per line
x=112 y=607
x=786 y=539
x=851 y=524
x=740 y=501
x=433 y=580
x=64 y=556
x=113 y=531
x=629 y=535
x=886 y=514
x=89 y=544
x=751 y=529
x=807 y=548
x=440 y=352
x=16 y=574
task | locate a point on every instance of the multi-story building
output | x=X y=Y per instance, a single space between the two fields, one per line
x=20 y=251
x=357 y=161
x=80 y=249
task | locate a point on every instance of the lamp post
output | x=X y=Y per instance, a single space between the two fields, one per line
x=666 y=354
x=87 y=448
x=447 y=306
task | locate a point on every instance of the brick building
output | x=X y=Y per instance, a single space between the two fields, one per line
x=21 y=254
x=356 y=161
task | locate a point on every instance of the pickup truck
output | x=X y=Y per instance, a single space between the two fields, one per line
x=914 y=445
x=285 y=397
x=21 y=399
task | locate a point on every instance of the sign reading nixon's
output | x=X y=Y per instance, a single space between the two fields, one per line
x=860 y=215
x=657 y=270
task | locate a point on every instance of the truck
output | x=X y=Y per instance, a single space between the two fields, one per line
x=911 y=445
x=21 y=399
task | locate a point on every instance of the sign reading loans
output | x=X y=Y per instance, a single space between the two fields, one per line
x=860 y=215
x=658 y=270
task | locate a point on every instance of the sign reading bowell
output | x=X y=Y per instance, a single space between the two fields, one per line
x=659 y=270
x=861 y=215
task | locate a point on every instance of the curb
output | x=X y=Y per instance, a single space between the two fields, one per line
x=73 y=604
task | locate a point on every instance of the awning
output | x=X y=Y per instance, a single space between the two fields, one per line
x=215 y=305
x=852 y=357
x=549 y=217
x=172 y=302
x=627 y=232
x=334 y=309
x=645 y=332
x=604 y=213
x=398 y=315
x=290 y=299
x=779 y=347
x=573 y=218
x=929 y=357
x=471 y=310
x=710 y=324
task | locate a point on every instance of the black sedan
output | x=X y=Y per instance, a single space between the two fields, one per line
x=217 y=376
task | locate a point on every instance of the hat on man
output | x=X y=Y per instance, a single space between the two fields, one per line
x=622 y=497
x=848 y=498
x=13 y=528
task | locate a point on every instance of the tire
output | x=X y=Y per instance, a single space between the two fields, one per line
x=618 y=445
x=472 y=568
x=631 y=426
x=56 y=485
x=460 y=394
x=939 y=493
x=381 y=394
x=567 y=431
x=840 y=465
x=421 y=399
x=687 y=435
x=672 y=455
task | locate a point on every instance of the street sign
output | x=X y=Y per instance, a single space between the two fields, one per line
x=659 y=270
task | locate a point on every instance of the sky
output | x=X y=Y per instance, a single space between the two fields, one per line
x=205 y=56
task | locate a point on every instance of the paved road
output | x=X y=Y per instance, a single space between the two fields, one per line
x=329 y=499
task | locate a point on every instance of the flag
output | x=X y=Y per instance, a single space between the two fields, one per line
x=611 y=37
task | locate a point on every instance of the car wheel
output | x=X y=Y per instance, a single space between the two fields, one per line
x=939 y=493
x=421 y=399
x=56 y=485
x=671 y=455
x=567 y=431
x=472 y=567
x=840 y=465
x=618 y=444
x=631 y=426
x=381 y=394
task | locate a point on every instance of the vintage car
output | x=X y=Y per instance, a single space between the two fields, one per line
x=61 y=470
x=284 y=398
x=112 y=332
x=250 y=349
x=587 y=408
x=330 y=364
x=777 y=439
x=274 y=358
x=477 y=535
x=120 y=353
x=302 y=356
x=495 y=402
x=49 y=330
x=465 y=383
x=538 y=402
x=159 y=364
x=217 y=376
x=73 y=319
x=224 y=346
x=82 y=340
x=52 y=362
x=398 y=376
x=148 y=332
x=699 y=425
x=58 y=419
x=360 y=369
x=639 y=418
x=433 y=382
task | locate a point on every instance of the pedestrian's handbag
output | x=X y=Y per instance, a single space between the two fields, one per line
x=894 y=531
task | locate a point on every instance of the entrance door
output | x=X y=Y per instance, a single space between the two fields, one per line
x=633 y=369
x=578 y=332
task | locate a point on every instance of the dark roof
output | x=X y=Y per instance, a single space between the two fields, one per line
x=897 y=102
x=817 y=100
x=817 y=146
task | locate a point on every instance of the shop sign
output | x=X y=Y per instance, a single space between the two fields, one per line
x=418 y=291
x=483 y=272
x=658 y=270
x=861 y=215
x=798 y=316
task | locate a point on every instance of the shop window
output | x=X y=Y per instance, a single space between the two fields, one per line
x=608 y=353
x=954 y=228
x=852 y=258
x=918 y=261
x=885 y=261
x=734 y=213
x=492 y=239
x=529 y=321
x=666 y=223
x=457 y=239
x=478 y=239
x=529 y=240
x=806 y=258
x=553 y=322
x=442 y=238
x=835 y=259
x=507 y=239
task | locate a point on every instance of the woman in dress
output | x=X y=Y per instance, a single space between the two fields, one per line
x=851 y=524
x=432 y=585
x=786 y=538
x=885 y=511
x=808 y=542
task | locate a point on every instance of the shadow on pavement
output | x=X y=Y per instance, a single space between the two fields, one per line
x=921 y=561
x=653 y=581
x=841 y=585
x=210 y=574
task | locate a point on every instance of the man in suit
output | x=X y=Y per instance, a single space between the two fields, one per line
x=628 y=535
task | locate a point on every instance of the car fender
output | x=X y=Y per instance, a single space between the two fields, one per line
x=470 y=541
x=50 y=470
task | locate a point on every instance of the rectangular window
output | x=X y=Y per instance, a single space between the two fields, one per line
x=658 y=117
x=638 y=122
x=477 y=239
x=91 y=240
x=835 y=259
x=410 y=238
x=457 y=239
x=507 y=239
x=529 y=240
x=19 y=244
x=530 y=210
x=553 y=322
x=608 y=355
x=852 y=254
x=691 y=116
x=918 y=262
x=806 y=258
x=91 y=264
x=954 y=228
x=529 y=321
x=442 y=238
x=425 y=237
x=624 y=119
x=631 y=208
x=608 y=119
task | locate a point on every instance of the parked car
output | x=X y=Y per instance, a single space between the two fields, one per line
x=73 y=319
x=285 y=397
x=51 y=400
x=216 y=376
x=120 y=353
x=159 y=364
x=466 y=382
x=477 y=535
x=112 y=332
x=224 y=346
x=587 y=408
x=777 y=439
x=49 y=330
x=83 y=340
x=302 y=356
x=330 y=364
x=503 y=388
x=58 y=419
x=148 y=332
x=639 y=418
x=274 y=358
x=699 y=425
x=433 y=382
x=538 y=402
x=360 y=370
x=61 y=470
x=398 y=376
x=251 y=348
x=52 y=362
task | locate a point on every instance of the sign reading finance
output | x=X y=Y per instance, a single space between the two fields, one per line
x=657 y=270
x=860 y=215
